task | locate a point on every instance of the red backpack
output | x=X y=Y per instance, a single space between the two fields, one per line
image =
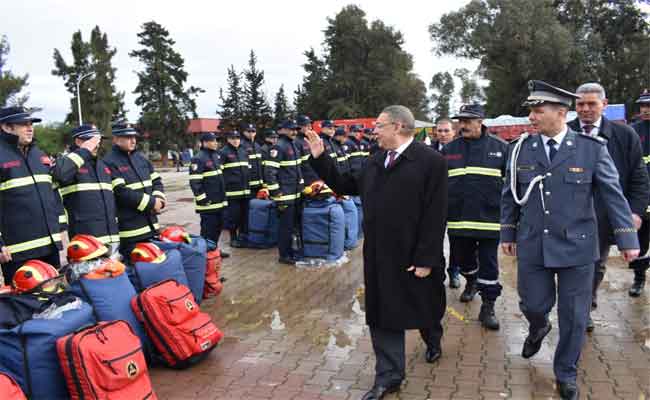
x=9 y=389
x=105 y=362
x=213 y=281
x=175 y=324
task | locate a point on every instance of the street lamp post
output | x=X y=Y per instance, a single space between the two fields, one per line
x=82 y=77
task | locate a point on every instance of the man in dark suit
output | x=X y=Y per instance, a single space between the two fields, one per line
x=625 y=149
x=404 y=195
x=548 y=221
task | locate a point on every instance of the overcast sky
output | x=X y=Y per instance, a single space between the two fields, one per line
x=210 y=35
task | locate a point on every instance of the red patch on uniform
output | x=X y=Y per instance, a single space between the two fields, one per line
x=11 y=164
x=45 y=160
x=107 y=170
x=123 y=168
x=209 y=163
x=453 y=156
x=83 y=170
x=290 y=152
x=231 y=156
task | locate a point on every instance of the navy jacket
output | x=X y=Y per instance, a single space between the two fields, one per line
x=236 y=171
x=283 y=172
x=642 y=129
x=206 y=181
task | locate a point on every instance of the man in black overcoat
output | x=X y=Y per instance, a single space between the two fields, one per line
x=404 y=194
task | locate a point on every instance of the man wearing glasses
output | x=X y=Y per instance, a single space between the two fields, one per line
x=403 y=190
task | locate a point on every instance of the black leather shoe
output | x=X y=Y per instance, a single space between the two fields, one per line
x=637 y=288
x=288 y=261
x=433 y=354
x=224 y=254
x=533 y=344
x=568 y=391
x=487 y=316
x=590 y=324
x=237 y=244
x=469 y=293
x=379 y=391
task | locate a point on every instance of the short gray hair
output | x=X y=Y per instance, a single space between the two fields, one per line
x=403 y=115
x=592 y=87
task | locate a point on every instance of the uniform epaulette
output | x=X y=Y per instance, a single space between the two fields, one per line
x=594 y=138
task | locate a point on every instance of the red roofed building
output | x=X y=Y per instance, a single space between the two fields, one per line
x=200 y=125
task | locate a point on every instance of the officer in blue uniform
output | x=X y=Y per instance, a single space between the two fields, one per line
x=341 y=149
x=356 y=151
x=642 y=128
x=477 y=165
x=283 y=175
x=548 y=221
x=254 y=151
x=207 y=184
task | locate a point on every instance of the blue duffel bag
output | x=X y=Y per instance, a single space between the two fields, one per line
x=323 y=229
x=263 y=222
x=110 y=299
x=28 y=352
x=357 y=202
x=351 y=223
x=144 y=274
x=195 y=257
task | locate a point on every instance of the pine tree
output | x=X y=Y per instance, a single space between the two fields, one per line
x=231 y=107
x=255 y=105
x=281 y=110
x=167 y=104
x=10 y=85
x=443 y=85
x=101 y=103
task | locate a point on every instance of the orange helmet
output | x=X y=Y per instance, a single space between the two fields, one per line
x=176 y=234
x=108 y=269
x=147 y=252
x=32 y=274
x=263 y=194
x=84 y=248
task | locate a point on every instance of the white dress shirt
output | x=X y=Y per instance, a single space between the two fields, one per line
x=558 y=138
x=398 y=150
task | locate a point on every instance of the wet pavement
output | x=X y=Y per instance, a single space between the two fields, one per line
x=299 y=333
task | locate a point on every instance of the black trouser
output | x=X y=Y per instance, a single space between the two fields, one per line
x=10 y=268
x=211 y=225
x=288 y=217
x=389 y=352
x=238 y=219
x=485 y=270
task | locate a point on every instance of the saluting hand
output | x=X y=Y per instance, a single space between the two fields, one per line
x=420 y=272
x=315 y=143
x=92 y=143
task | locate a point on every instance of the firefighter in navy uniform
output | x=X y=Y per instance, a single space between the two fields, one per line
x=270 y=139
x=283 y=176
x=642 y=128
x=356 y=150
x=477 y=165
x=254 y=151
x=206 y=181
x=367 y=144
x=85 y=183
x=236 y=175
x=30 y=222
x=303 y=123
x=340 y=148
x=138 y=189
x=332 y=149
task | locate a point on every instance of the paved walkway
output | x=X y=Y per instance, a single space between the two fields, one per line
x=298 y=333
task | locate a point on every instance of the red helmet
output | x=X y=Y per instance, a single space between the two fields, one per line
x=108 y=269
x=176 y=234
x=84 y=248
x=147 y=252
x=32 y=274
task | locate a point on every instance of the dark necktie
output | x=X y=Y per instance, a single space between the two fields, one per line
x=551 y=149
x=391 y=158
x=588 y=129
